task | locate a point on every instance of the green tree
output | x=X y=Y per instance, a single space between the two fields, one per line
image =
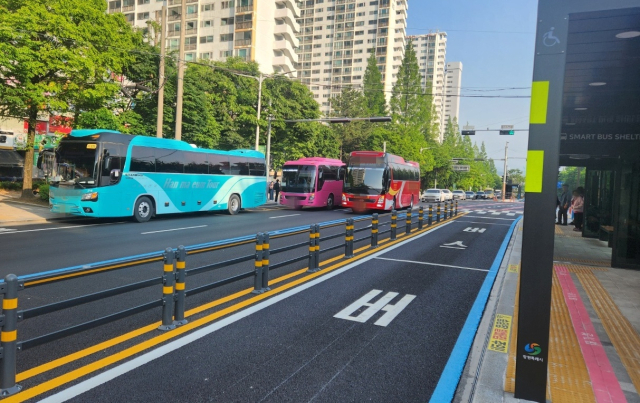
x=373 y=88
x=351 y=136
x=516 y=176
x=57 y=55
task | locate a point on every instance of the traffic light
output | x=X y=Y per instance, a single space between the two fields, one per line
x=380 y=119
x=468 y=132
x=507 y=132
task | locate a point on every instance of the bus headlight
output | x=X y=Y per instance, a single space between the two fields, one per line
x=344 y=198
x=312 y=196
x=380 y=199
x=93 y=196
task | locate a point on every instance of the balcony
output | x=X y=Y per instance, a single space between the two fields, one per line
x=284 y=63
x=287 y=15
x=287 y=31
x=291 y=5
x=244 y=25
x=244 y=9
x=243 y=42
x=190 y=46
x=128 y=8
x=285 y=47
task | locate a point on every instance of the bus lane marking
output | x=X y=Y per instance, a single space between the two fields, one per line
x=382 y=304
x=173 y=229
x=432 y=264
x=55 y=228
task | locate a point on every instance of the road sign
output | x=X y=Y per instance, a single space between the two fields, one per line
x=468 y=132
x=507 y=132
x=506 y=127
x=468 y=127
x=461 y=168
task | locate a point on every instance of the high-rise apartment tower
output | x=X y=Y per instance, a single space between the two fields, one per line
x=264 y=31
x=336 y=38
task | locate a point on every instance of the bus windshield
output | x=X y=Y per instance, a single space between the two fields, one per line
x=299 y=178
x=77 y=163
x=361 y=180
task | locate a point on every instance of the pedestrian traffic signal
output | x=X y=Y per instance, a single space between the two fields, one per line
x=468 y=132
x=507 y=132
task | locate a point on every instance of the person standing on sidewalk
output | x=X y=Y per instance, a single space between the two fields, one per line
x=564 y=201
x=271 y=190
x=276 y=188
x=578 y=209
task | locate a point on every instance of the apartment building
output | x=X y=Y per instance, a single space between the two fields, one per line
x=336 y=38
x=451 y=91
x=264 y=31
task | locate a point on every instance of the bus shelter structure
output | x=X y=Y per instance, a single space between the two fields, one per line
x=585 y=111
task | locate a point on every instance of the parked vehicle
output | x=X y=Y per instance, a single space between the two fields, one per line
x=488 y=193
x=380 y=181
x=102 y=173
x=480 y=195
x=433 y=196
x=470 y=195
x=312 y=182
x=459 y=195
x=447 y=194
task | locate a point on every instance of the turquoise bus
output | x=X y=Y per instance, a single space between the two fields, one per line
x=103 y=173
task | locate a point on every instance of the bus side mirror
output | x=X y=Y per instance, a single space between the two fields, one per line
x=115 y=175
x=107 y=163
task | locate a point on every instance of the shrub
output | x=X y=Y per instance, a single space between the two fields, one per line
x=44 y=191
x=11 y=185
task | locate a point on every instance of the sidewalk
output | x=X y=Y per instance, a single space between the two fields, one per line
x=594 y=349
x=13 y=211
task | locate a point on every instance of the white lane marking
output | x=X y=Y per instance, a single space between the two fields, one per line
x=7 y=229
x=432 y=264
x=173 y=229
x=511 y=214
x=481 y=212
x=282 y=216
x=128 y=366
x=491 y=218
x=495 y=213
x=55 y=228
x=483 y=223
x=451 y=247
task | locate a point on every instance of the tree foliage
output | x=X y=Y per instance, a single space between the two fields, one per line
x=59 y=56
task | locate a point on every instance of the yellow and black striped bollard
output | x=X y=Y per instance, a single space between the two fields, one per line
x=265 y=262
x=9 y=337
x=181 y=264
x=446 y=210
x=257 y=276
x=374 y=230
x=430 y=218
x=348 y=239
x=168 y=279
x=438 y=213
x=312 y=249
x=394 y=225
x=420 y=217
x=407 y=227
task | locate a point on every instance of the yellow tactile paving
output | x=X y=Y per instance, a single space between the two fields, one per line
x=584 y=269
x=510 y=378
x=559 y=232
x=568 y=376
x=621 y=333
x=603 y=263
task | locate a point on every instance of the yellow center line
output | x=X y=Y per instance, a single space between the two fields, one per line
x=97 y=365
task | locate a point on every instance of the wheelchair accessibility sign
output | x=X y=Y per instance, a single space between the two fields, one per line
x=549 y=39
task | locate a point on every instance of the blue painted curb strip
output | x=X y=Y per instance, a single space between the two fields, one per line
x=450 y=377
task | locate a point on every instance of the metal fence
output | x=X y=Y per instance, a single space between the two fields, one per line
x=174 y=274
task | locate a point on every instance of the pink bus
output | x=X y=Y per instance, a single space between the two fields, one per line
x=312 y=182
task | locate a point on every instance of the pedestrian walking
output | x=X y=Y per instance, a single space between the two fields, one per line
x=276 y=188
x=271 y=190
x=578 y=209
x=564 y=201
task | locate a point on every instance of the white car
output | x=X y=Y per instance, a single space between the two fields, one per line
x=459 y=195
x=433 y=196
x=447 y=194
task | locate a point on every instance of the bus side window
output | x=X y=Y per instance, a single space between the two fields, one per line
x=143 y=159
x=257 y=167
x=341 y=173
x=169 y=161
x=218 y=164
x=321 y=178
x=239 y=165
x=195 y=163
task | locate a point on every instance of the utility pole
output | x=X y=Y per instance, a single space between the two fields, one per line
x=183 y=27
x=269 y=118
x=260 y=79
x=504 y=177
x=161 y=78
x=384 y=146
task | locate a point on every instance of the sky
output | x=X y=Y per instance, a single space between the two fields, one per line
x=494 y=40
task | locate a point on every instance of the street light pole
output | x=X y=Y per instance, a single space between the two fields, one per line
x=161 y=78
x=504 y=177
x=260 y=80
x=181 y=72
x=269 y=119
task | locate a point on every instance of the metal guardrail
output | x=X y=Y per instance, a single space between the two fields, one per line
x=173 y=281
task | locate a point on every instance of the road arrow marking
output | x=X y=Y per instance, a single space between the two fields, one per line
x=454 y=245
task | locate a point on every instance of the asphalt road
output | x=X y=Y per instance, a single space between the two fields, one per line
x=29 y=249
x=291 y=347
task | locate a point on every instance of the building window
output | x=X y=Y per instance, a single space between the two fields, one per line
x=226 y=37
x=143 y=16
x=206 y=39
x=227 y=4
x=206 y=7
x=226 y=21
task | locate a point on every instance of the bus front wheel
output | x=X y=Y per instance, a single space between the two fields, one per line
x=143 y=209
x=330 y=203
x=233 y=206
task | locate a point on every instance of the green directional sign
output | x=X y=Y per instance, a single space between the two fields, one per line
x=507 y=132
